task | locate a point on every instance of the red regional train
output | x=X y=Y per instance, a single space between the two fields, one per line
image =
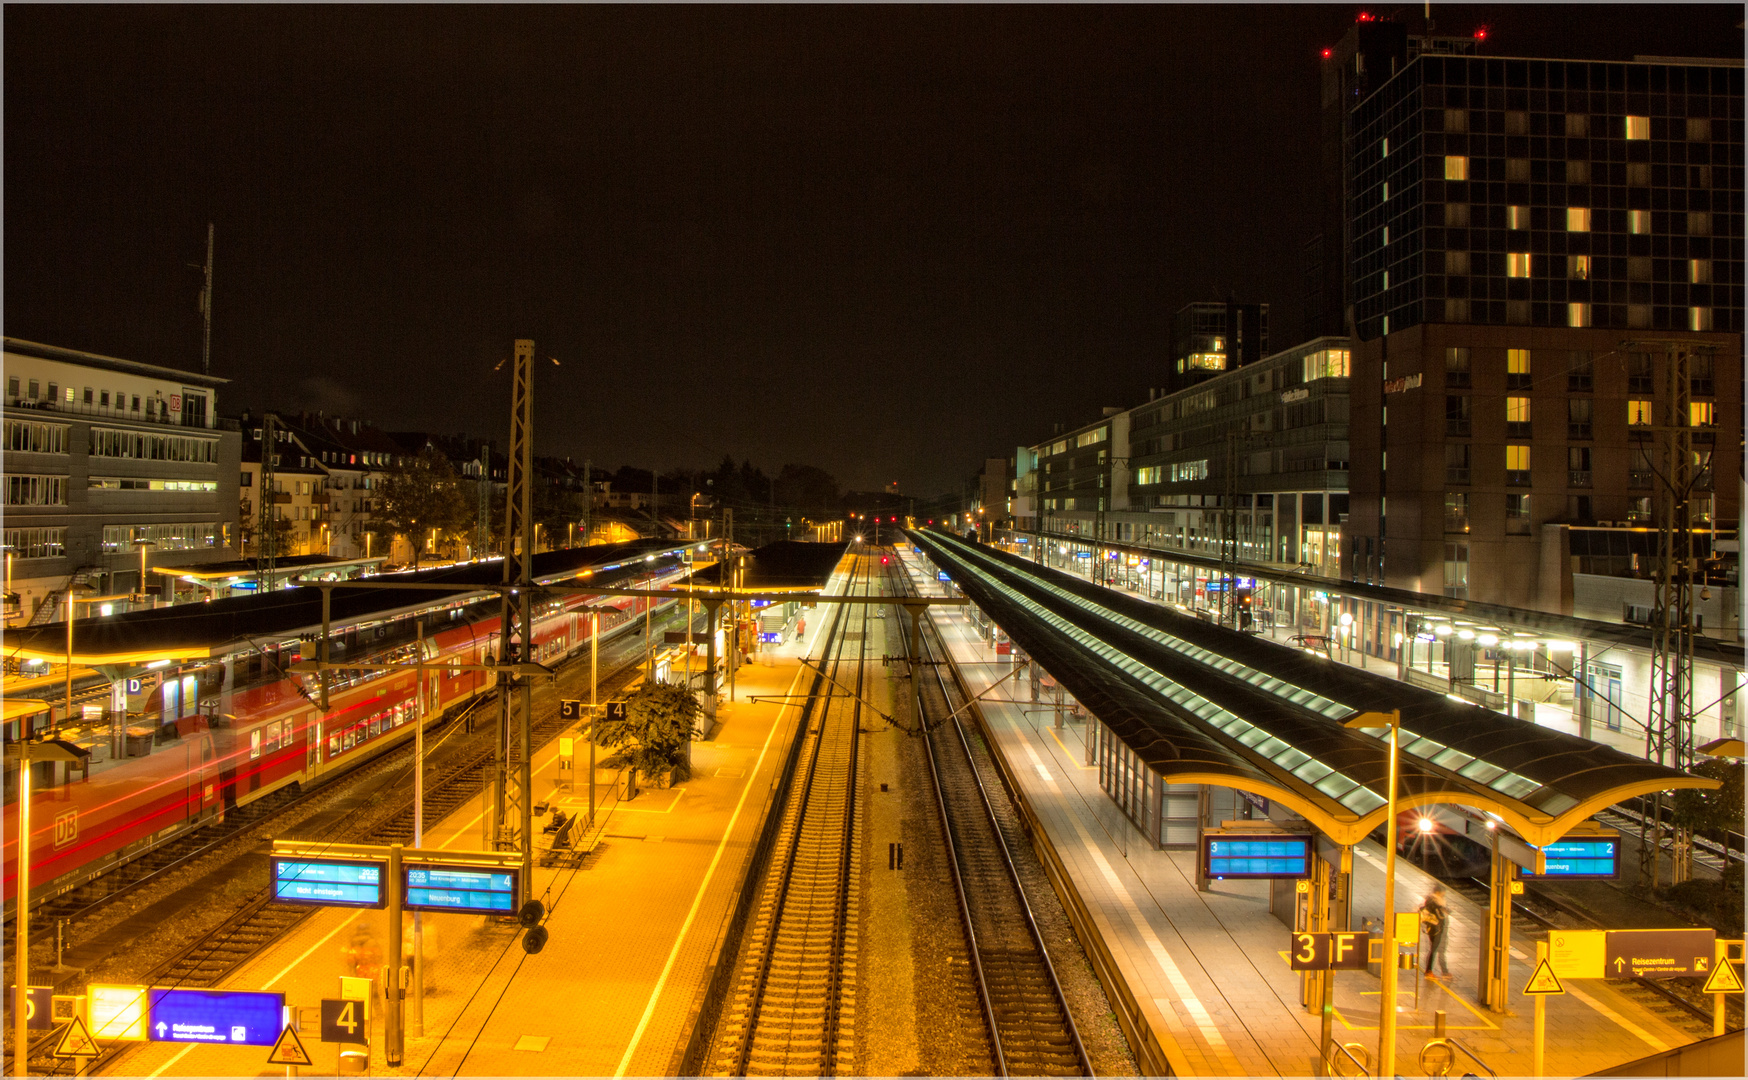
x=205 y=715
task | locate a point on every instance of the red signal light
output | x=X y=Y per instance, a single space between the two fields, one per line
x=1326 y=53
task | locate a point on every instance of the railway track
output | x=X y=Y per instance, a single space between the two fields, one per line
x=1031 y=1028
x=792 y=1010
x=258 y=923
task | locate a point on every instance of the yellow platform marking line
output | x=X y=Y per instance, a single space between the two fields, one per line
x=1072 y=763
x=698 y=897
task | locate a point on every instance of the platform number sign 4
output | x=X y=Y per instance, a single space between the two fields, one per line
x=343 y=1022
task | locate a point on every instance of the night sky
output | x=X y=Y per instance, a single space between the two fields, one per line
x=885 y=241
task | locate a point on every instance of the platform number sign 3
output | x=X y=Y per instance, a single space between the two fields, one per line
x=343 y=1022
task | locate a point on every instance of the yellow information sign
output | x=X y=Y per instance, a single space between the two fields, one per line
x=1578 y=954
x=117 y=1012
x=1723 y=980
x=1544 y=981
x=1407 y=927
x=289 y=1050
x=76 y=1041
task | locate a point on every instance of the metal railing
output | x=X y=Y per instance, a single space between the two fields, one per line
x=161 y=419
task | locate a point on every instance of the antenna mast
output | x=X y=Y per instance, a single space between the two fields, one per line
x=206 y=309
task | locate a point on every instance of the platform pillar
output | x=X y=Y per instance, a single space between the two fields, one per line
x=1493 y=988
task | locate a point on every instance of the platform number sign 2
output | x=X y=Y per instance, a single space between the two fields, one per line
x=343 y=1022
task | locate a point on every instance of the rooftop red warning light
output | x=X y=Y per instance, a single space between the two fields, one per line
x=1481 y=33
x=1365 y=16
x=1326 y=54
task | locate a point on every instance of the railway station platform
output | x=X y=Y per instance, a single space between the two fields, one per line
x=1208 y=971
x=632 y=930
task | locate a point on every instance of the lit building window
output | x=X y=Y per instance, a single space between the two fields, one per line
x=1578 y=219
x=1517 y=361
x=1517 y=264
x=1386 y=152
x=1456 y=167
x=1699 y=271
x=1578 y=314
x=1517 y=410
x=1638 y=127
x=1639 y=222
x=1517 y=463
x=1702 y=414
x=1386 y=191
x=1578 y=266
x=1699 y=318
x=1638 y=413
x=1517 y=217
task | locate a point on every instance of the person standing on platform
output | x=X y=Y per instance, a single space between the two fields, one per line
x=1435 y=919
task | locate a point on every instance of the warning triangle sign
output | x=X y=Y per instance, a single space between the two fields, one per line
x=76 y=1041
x=289 y=1050
x=1544 y=981
x=1724 y=980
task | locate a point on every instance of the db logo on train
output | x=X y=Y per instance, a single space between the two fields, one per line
x=66 y=828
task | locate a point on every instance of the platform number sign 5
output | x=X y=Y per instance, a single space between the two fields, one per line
x=343 y=1022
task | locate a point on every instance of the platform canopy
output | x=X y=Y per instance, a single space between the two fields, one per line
x=784 y=566
x=214 y=628
x=1206 y=705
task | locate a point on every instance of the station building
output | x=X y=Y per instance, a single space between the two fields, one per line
x=104 y=457
x=1269 y=438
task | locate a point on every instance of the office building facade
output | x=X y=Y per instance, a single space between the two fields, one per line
x=105 y=456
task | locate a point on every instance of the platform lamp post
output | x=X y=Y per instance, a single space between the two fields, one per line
x=74 y=589
x=1387 y=996
x=143 y=544
x=29 y=753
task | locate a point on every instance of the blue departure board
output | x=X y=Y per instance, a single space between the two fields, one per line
x=328 y=883
x=1582 y=857
x=459 y=889
x=1257 y=855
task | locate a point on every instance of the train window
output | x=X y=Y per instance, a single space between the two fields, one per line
x=255 y=743
x=333 y=746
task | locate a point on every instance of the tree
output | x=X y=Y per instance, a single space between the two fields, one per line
x=659 y=720
x=807 y=488
x=1713 y=814
x=423 y=494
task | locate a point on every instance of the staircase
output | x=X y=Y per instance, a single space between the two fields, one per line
x=50 y=607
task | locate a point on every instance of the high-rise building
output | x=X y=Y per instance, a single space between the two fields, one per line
x=1534 y=245
x=1209 y=337
x=1368 y=55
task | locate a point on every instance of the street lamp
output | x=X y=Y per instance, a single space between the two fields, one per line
x=1387 y=996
